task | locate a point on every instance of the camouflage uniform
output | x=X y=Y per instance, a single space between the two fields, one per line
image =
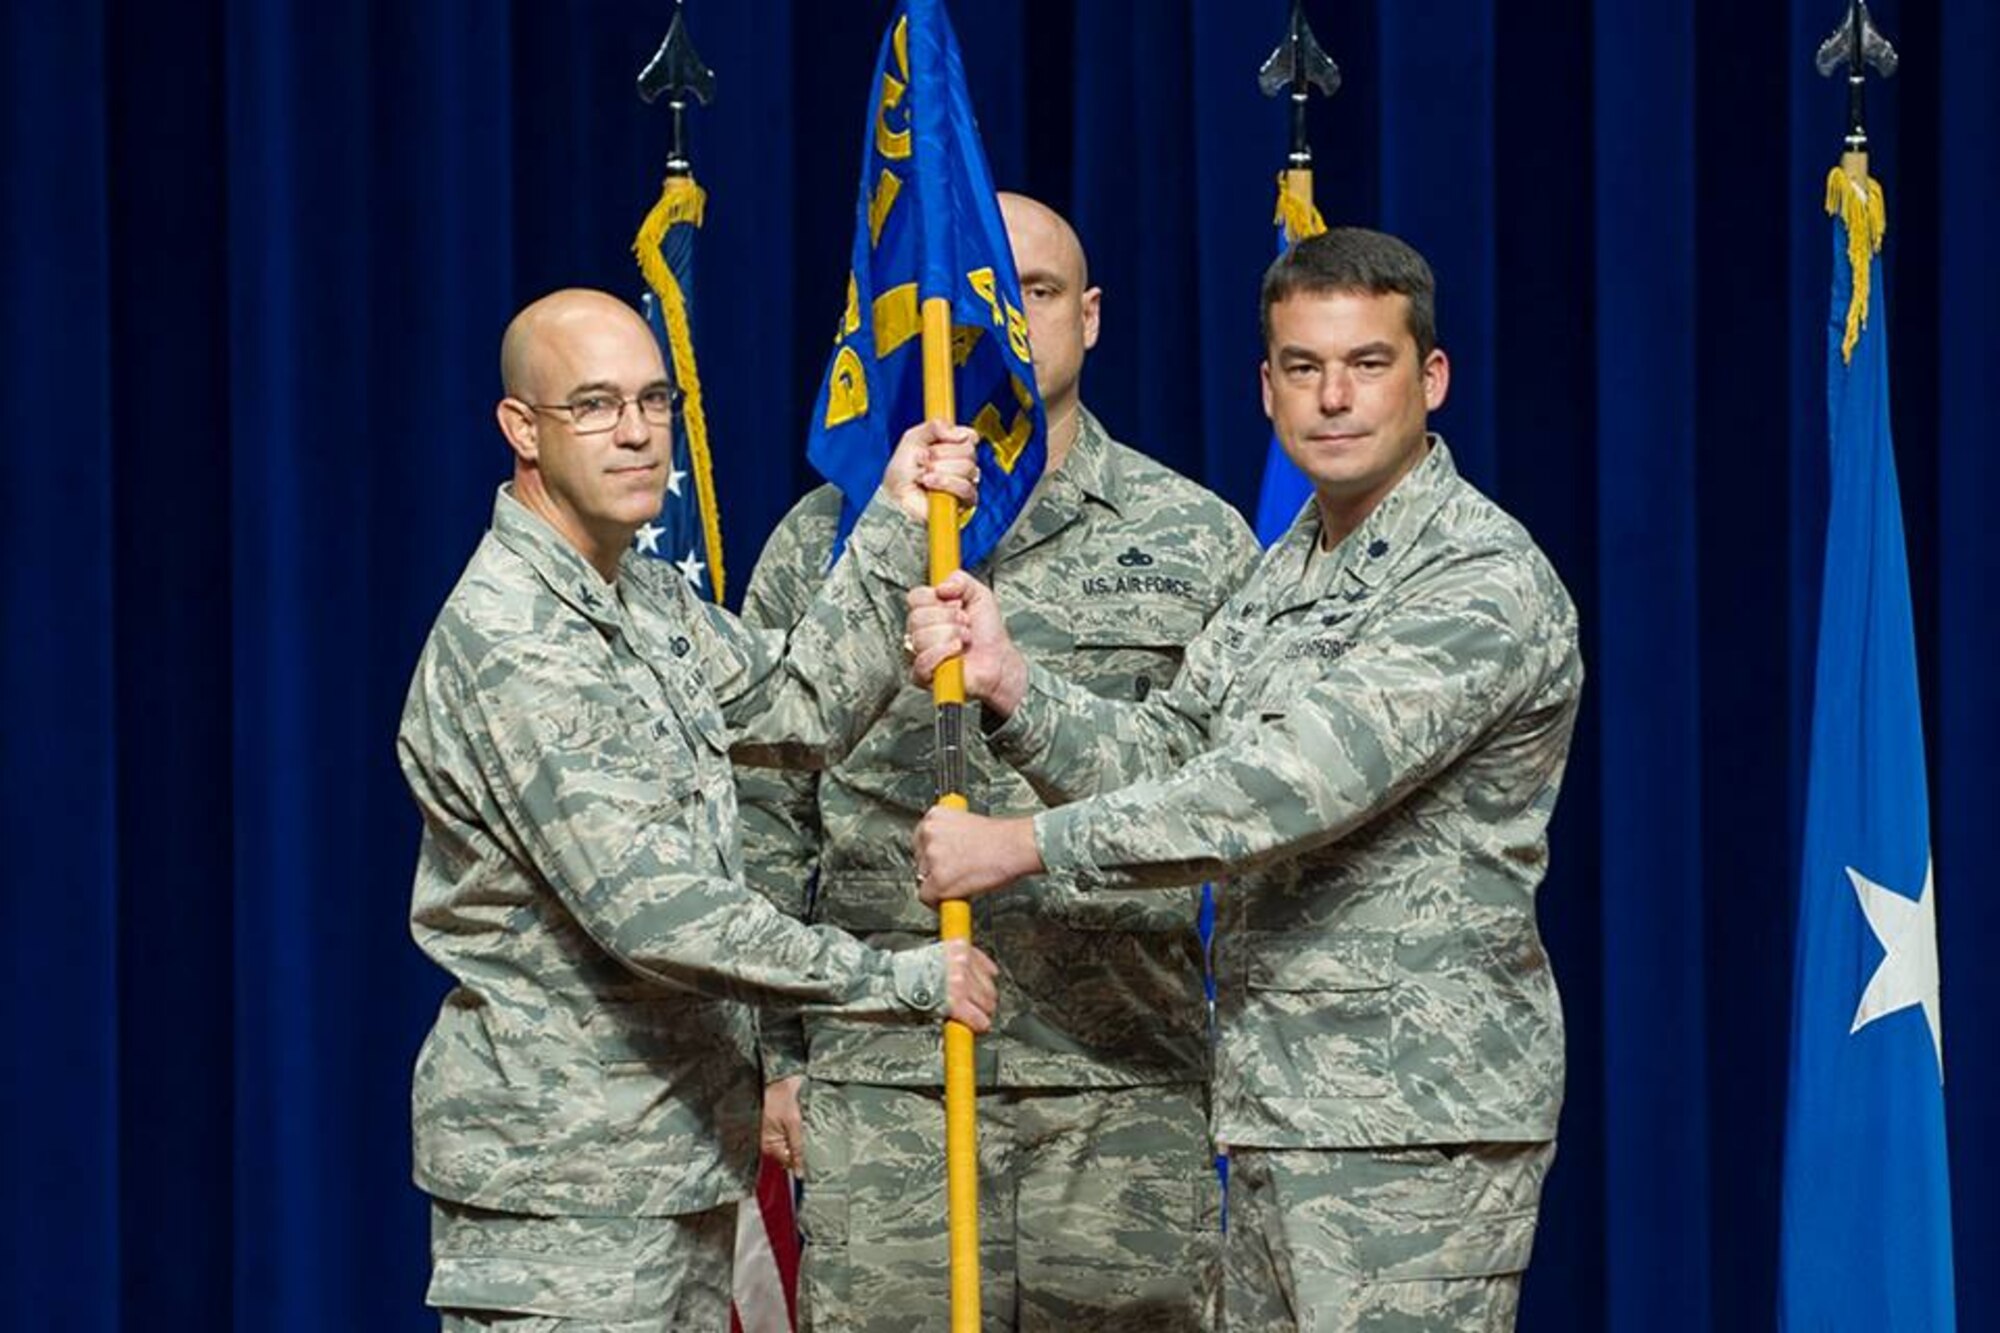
x=1367 y=743
x=568 y=743
x=1392 y=1240
x=585 y=1274
x=1099 y=1204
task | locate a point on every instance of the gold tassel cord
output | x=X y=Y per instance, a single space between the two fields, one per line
x=683 y=201
x=1295 y=207
x=1857 y=201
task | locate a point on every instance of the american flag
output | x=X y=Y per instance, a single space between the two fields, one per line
x=766 y=1285
x=688 y=535
x=688 y=532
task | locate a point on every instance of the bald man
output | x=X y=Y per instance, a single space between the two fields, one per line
x=585 y=1106
x=1099 y=1206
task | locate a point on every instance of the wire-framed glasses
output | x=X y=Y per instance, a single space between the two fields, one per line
x=593 y=411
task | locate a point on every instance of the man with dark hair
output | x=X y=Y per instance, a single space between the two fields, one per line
x=1099 y=1207
x=1364 y=747
x=1357 y=260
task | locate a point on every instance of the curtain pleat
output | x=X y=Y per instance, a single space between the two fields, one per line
x=254 y=263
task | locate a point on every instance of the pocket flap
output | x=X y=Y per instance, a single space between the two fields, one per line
x=1287 y=961
x=863 y=902
x=664 y=1030
x=1165 y=634
x=534 y=1284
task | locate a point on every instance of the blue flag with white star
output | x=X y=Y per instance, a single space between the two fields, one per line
x=1867 y=1202
x=927 y=225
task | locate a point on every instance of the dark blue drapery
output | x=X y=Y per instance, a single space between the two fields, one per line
x=254 y=262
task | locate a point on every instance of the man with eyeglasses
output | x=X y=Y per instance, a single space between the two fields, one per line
x=585 y=1107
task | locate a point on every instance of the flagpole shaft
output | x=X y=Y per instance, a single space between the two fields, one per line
x=954 y=918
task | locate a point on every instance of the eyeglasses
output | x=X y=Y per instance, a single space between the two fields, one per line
x=595 y=413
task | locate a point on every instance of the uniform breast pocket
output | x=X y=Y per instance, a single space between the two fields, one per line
x=872 y=903
x=1323 y=1004
x=650 y=724
x=1129 y=911
x=1129 y=657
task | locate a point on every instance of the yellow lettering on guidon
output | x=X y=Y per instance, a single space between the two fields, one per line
x=1017 y=336
x=982 y=282
x=892 y=143
x=1007 y=442
x=850 y=319
x=846 y=388
x=1005 y=316
x=896 y=318
x=888 y=187
x=964 y=341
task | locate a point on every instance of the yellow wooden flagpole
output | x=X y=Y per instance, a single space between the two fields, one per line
x=961 y=1132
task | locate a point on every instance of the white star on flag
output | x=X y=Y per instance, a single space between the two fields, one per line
x=1909 y=973
x=647 y=539
x=691 y=568
x=674 y=476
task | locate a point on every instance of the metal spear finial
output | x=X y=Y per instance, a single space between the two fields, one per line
x=1300 y=65
x=1855 y=45
x=677 y=72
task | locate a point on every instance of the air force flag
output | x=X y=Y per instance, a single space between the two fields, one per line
x=1867 y=1200
x=927 y=225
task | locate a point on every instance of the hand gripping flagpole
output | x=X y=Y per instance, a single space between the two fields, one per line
x=1295 y=68
x=961 y=1094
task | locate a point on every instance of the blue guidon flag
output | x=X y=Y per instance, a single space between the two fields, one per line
x=927 y=225
x=1867 y=1196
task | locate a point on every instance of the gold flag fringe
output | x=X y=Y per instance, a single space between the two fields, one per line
x=1296 y=211
x=1859 y=205
x=681 y=200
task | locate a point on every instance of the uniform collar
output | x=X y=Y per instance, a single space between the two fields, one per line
x=1369 y=554
x=1090 y=463
x=573 y=579
x=1373 y=550
x=1088 y=474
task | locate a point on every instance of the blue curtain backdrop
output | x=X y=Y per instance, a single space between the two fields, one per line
x=254 y=263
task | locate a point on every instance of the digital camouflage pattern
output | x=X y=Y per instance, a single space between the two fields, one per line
x=1400 y=1240
x=1117 y=1229
x=568 y=743
x=1364 y=748
x=513 y=1274
x=1114 y=565
x=1103 y=1029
